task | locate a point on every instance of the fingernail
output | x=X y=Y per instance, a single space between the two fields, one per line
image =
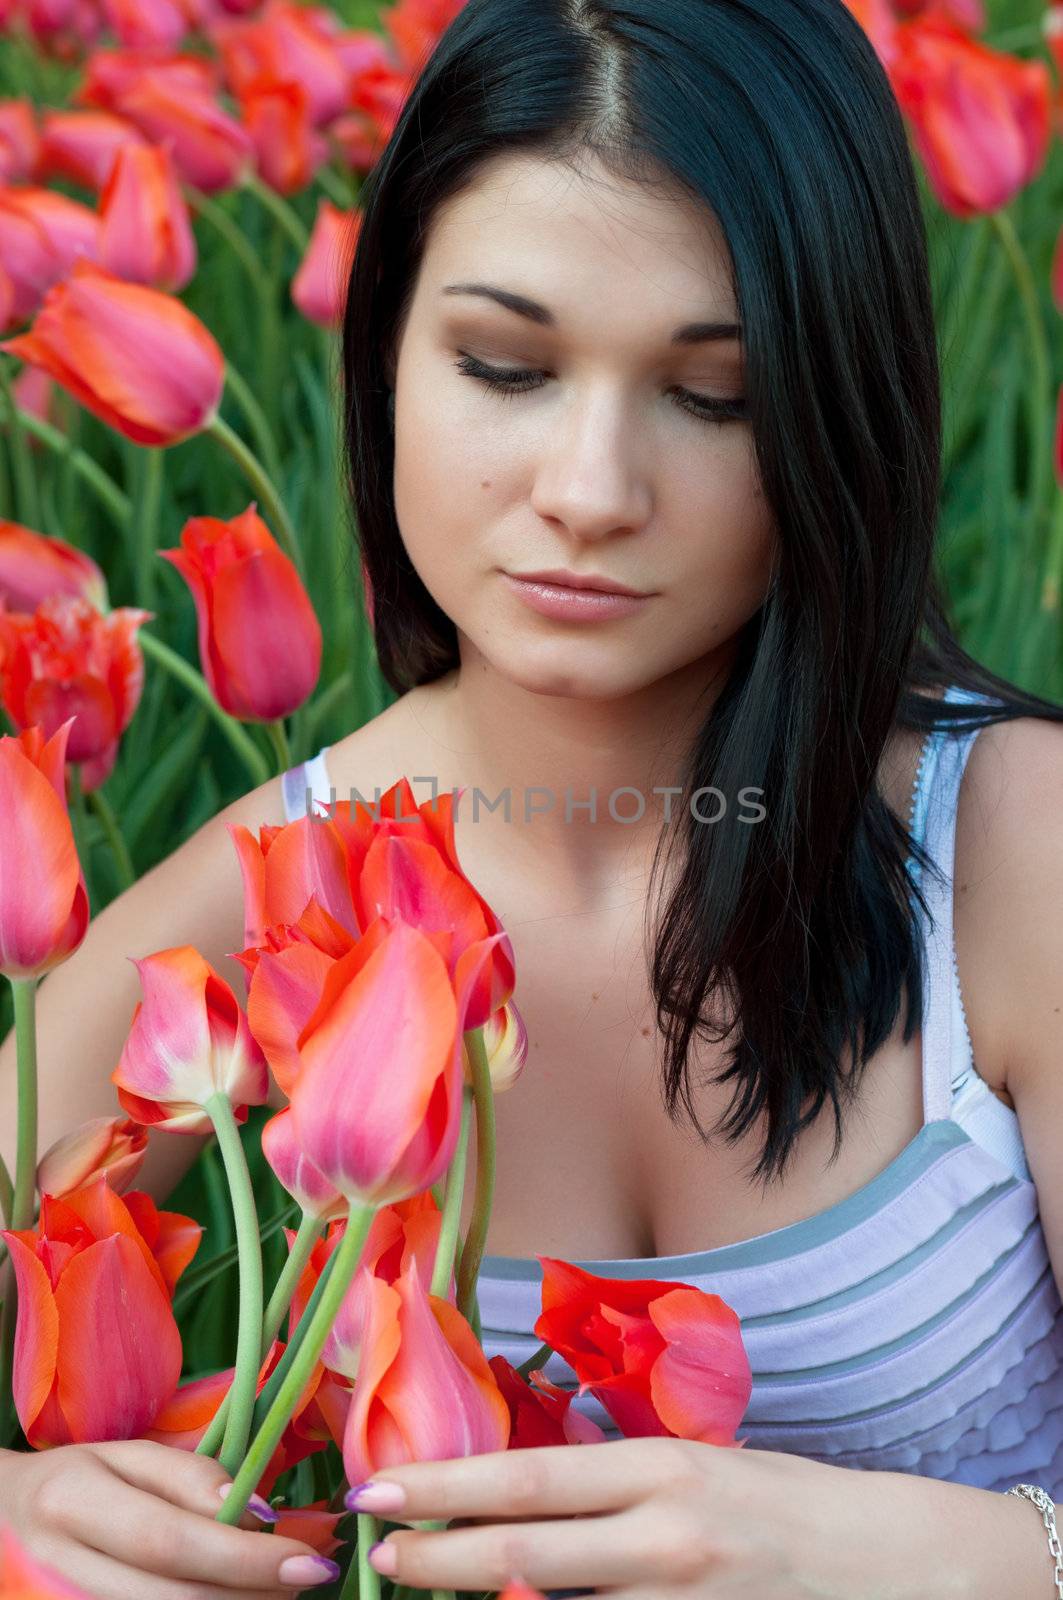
x=256 y=1505
x=370 y=1496
x=301 y=1572
x=384 y=1558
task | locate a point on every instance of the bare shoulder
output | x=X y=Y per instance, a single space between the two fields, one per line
x=1008 y=895
x=394 y=744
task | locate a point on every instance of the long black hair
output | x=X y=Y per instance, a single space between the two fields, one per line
x=778 y=116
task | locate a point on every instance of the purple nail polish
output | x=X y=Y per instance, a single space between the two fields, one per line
x=303 y=1572
x=262 y=1509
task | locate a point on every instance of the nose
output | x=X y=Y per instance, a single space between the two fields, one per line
x=590 y=477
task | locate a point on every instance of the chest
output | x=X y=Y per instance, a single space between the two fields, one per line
x=589 y=1162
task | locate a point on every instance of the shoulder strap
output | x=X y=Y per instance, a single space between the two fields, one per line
x=936 y=814
x=306 y=783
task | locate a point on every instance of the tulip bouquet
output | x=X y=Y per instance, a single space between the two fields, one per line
x=380 y=999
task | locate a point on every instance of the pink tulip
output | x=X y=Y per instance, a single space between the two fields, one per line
x=82 y=145
x=188 y=1042
x=109 y=74
x=289 y=149
x=210 y=149
x=34 y=566
x=146 y=232
x=42 y=234
x=146 y=24
x=296 y=1173
x=298 y=42
x=319 y=287
x=20 y=141
x=22 y=1578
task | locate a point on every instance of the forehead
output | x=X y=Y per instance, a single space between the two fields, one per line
x=581 y=237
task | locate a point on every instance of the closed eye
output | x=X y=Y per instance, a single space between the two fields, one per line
x=508 y=381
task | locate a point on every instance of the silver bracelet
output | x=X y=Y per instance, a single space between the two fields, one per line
x=1038 y=1497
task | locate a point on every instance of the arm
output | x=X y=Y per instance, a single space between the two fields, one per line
x=85 y=1006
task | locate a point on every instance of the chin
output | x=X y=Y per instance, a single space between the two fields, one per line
x=574 y=672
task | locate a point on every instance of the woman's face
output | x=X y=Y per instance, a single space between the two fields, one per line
x=599 y=464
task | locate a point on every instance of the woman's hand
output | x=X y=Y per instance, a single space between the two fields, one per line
x=134 y=1520
x=657 y=1518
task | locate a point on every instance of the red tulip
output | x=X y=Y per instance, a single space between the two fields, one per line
x=981 y=119
x=22 y=1578
x=111 y=1146
x=135 y=357
x=20 y=141
x=259 y=639
x=297 y=42
x=34 y=566
x=42 y=234
x=82 y=145
x=379 y=92
x=967 y=14
x=65 y=660
x=276 y=113
x=417 y=26
x=314 y=1524
x=358 y=140
x=540 y=1413
x=661 y=1358
x=97 y=1352
x=146 y=233
x=188 y=1042
x=424 y=1390
x=44 y=908
x=319 y=287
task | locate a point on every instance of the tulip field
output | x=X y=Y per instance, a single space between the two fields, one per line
x=182 y=614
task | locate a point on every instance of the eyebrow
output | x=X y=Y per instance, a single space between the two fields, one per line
x=689 y=333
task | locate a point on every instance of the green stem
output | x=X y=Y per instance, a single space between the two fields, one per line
x=476 y=1238
x=1053 y=578
x=336 y=187
x=279 y=740
x=7 y=1193
x=186 y=674
x=255 y=415
x=79 y=823
x=103 y=486
x=288 y=219
x=119 y=849
x=146 y=526
x=233 y=234
x=368 y=1577
x=347 y=1256
x=249 y=1332
x=24 y=994
x=279 y=1301
x=538 y=1359
x=29 y=501
x=263 y=486
x=292 y=1348
x=1039 y=390
x=451 y=1221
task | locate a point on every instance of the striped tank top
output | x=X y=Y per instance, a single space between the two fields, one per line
x=916 y=1325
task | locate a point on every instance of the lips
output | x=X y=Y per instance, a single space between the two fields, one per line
x=574 y=580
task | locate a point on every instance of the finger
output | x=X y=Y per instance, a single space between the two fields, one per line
x=196 y=1483
x=545 y=1555
x=548 y=1481
x=105 y=1579
x=144 y=1531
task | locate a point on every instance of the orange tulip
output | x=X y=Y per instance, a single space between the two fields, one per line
x=319 y=287
x=66 y=659
x=44 y=908
x=540 y=1412
x=424 y=1390
x=22 y=1578
x=97 y=1351
x=135 y=357
x=20 y=142
x=982 y=120
x=42 y=234
x=276 y=113
x=82 y=145
x=661 y=1358
x=416 y=26
x=314 y=1524
x=259 y=639
x=34 y=566
x=188 y=1042
x=112 y=1146
x=146 y=232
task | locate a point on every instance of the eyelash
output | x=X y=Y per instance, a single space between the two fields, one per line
x=506 y=382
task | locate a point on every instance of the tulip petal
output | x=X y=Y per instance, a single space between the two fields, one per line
x=36 y=1333
x=108 y=1300
x=701 y=1382
x=39 y=870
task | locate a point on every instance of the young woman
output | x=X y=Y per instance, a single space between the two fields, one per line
x=641 y=307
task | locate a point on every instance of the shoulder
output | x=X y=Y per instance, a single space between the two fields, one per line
x=1008 y=896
